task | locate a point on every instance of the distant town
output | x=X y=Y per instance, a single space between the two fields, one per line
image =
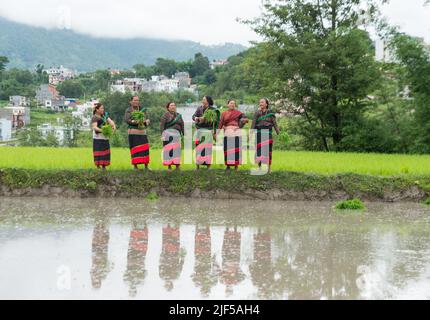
x=16 y=114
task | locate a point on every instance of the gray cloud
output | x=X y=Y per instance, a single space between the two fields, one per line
x=205 y=21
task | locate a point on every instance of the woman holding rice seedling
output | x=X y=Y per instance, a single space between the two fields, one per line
x=264 y=122
x=103 y=129
x=137 y=119
x=172 y=128
x=232 y=121
x=206 y=119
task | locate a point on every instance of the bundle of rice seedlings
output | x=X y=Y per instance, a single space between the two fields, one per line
x=107 y=131
x=139 y=116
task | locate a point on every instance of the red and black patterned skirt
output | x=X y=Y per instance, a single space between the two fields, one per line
x=139 y=148
x=203 y=147
x=233 y=151
x=101 y=152
x=264 y=146
x=172 y=150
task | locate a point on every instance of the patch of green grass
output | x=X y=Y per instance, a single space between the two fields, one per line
x=41 y=116
x=427 y=202
x=310 y=162
x=152 y=196
x=354 y=204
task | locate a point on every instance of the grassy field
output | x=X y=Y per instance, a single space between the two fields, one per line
x=41 y=116
x=309 y=162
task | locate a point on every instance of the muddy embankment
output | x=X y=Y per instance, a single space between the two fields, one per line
x=212 y=185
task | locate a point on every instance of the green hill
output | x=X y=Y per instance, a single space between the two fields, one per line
x=26 y=46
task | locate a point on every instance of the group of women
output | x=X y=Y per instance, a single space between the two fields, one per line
x=208 y=121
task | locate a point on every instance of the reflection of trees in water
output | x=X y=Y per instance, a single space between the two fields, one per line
x=399 y=262
x=319 y=264
x=261 y=268
x=172 y=257
x=137 y=248
x=100 y=245
x=231 y=273
x=205 y=267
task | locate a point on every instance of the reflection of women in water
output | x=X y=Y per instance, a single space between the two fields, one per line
x=204 y=275
x=231 y=273
x=171 y=258
x=137 y=249
x=261 y=269
x=100 y=265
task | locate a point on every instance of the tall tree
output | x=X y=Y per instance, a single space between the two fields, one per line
x=165 y=67
x=415 y=59
x=3 y=62
x=200 y=65
x=71 y=89
x=318 y=61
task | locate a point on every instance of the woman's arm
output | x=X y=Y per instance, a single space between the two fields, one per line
x=275 y=125
x=254 y=121
x=128 y=119
x=111 y=123
x=182 y=124
x=95 y=128
x=163 y=123
x=147 y=121
x=221 y=121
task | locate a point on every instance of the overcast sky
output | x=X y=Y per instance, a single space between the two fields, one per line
x=205 y=21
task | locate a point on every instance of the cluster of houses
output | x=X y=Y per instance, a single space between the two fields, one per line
x=60 y=74
x=217 y=63
x=179 y=81
x=16 y=115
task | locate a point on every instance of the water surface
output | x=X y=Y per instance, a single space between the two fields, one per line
x=200 y=249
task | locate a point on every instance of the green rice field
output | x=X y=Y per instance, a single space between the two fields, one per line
x=308 y=162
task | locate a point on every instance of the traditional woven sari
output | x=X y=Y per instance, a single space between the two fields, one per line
x=138 y=141
x=231 y=123
x=172 y=147
x=264 y=138
x=101 y=146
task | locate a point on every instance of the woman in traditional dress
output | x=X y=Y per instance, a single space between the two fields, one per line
x=101 y=146
x=264 y=122
x=172 y=128
x=137 y=138
x=231 y=122
x=205 y=131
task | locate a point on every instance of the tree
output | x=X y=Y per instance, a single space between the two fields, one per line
x=165 y=67
x=42 y=76
x=3 y=62
x=31 y=138
x=102 y=80
x=416 y=62
x=143 y=71
x=319 y=63
x=200 y=65
x=72 y=125
x=71 y=88
x=51 y=140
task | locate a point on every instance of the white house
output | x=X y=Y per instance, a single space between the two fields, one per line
x=19 y=116
x=60 y=74
x=5 y=130
x=59 y=131
x=19 y=101
x=217 y=63
x=383 y=52
x=157 y=83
